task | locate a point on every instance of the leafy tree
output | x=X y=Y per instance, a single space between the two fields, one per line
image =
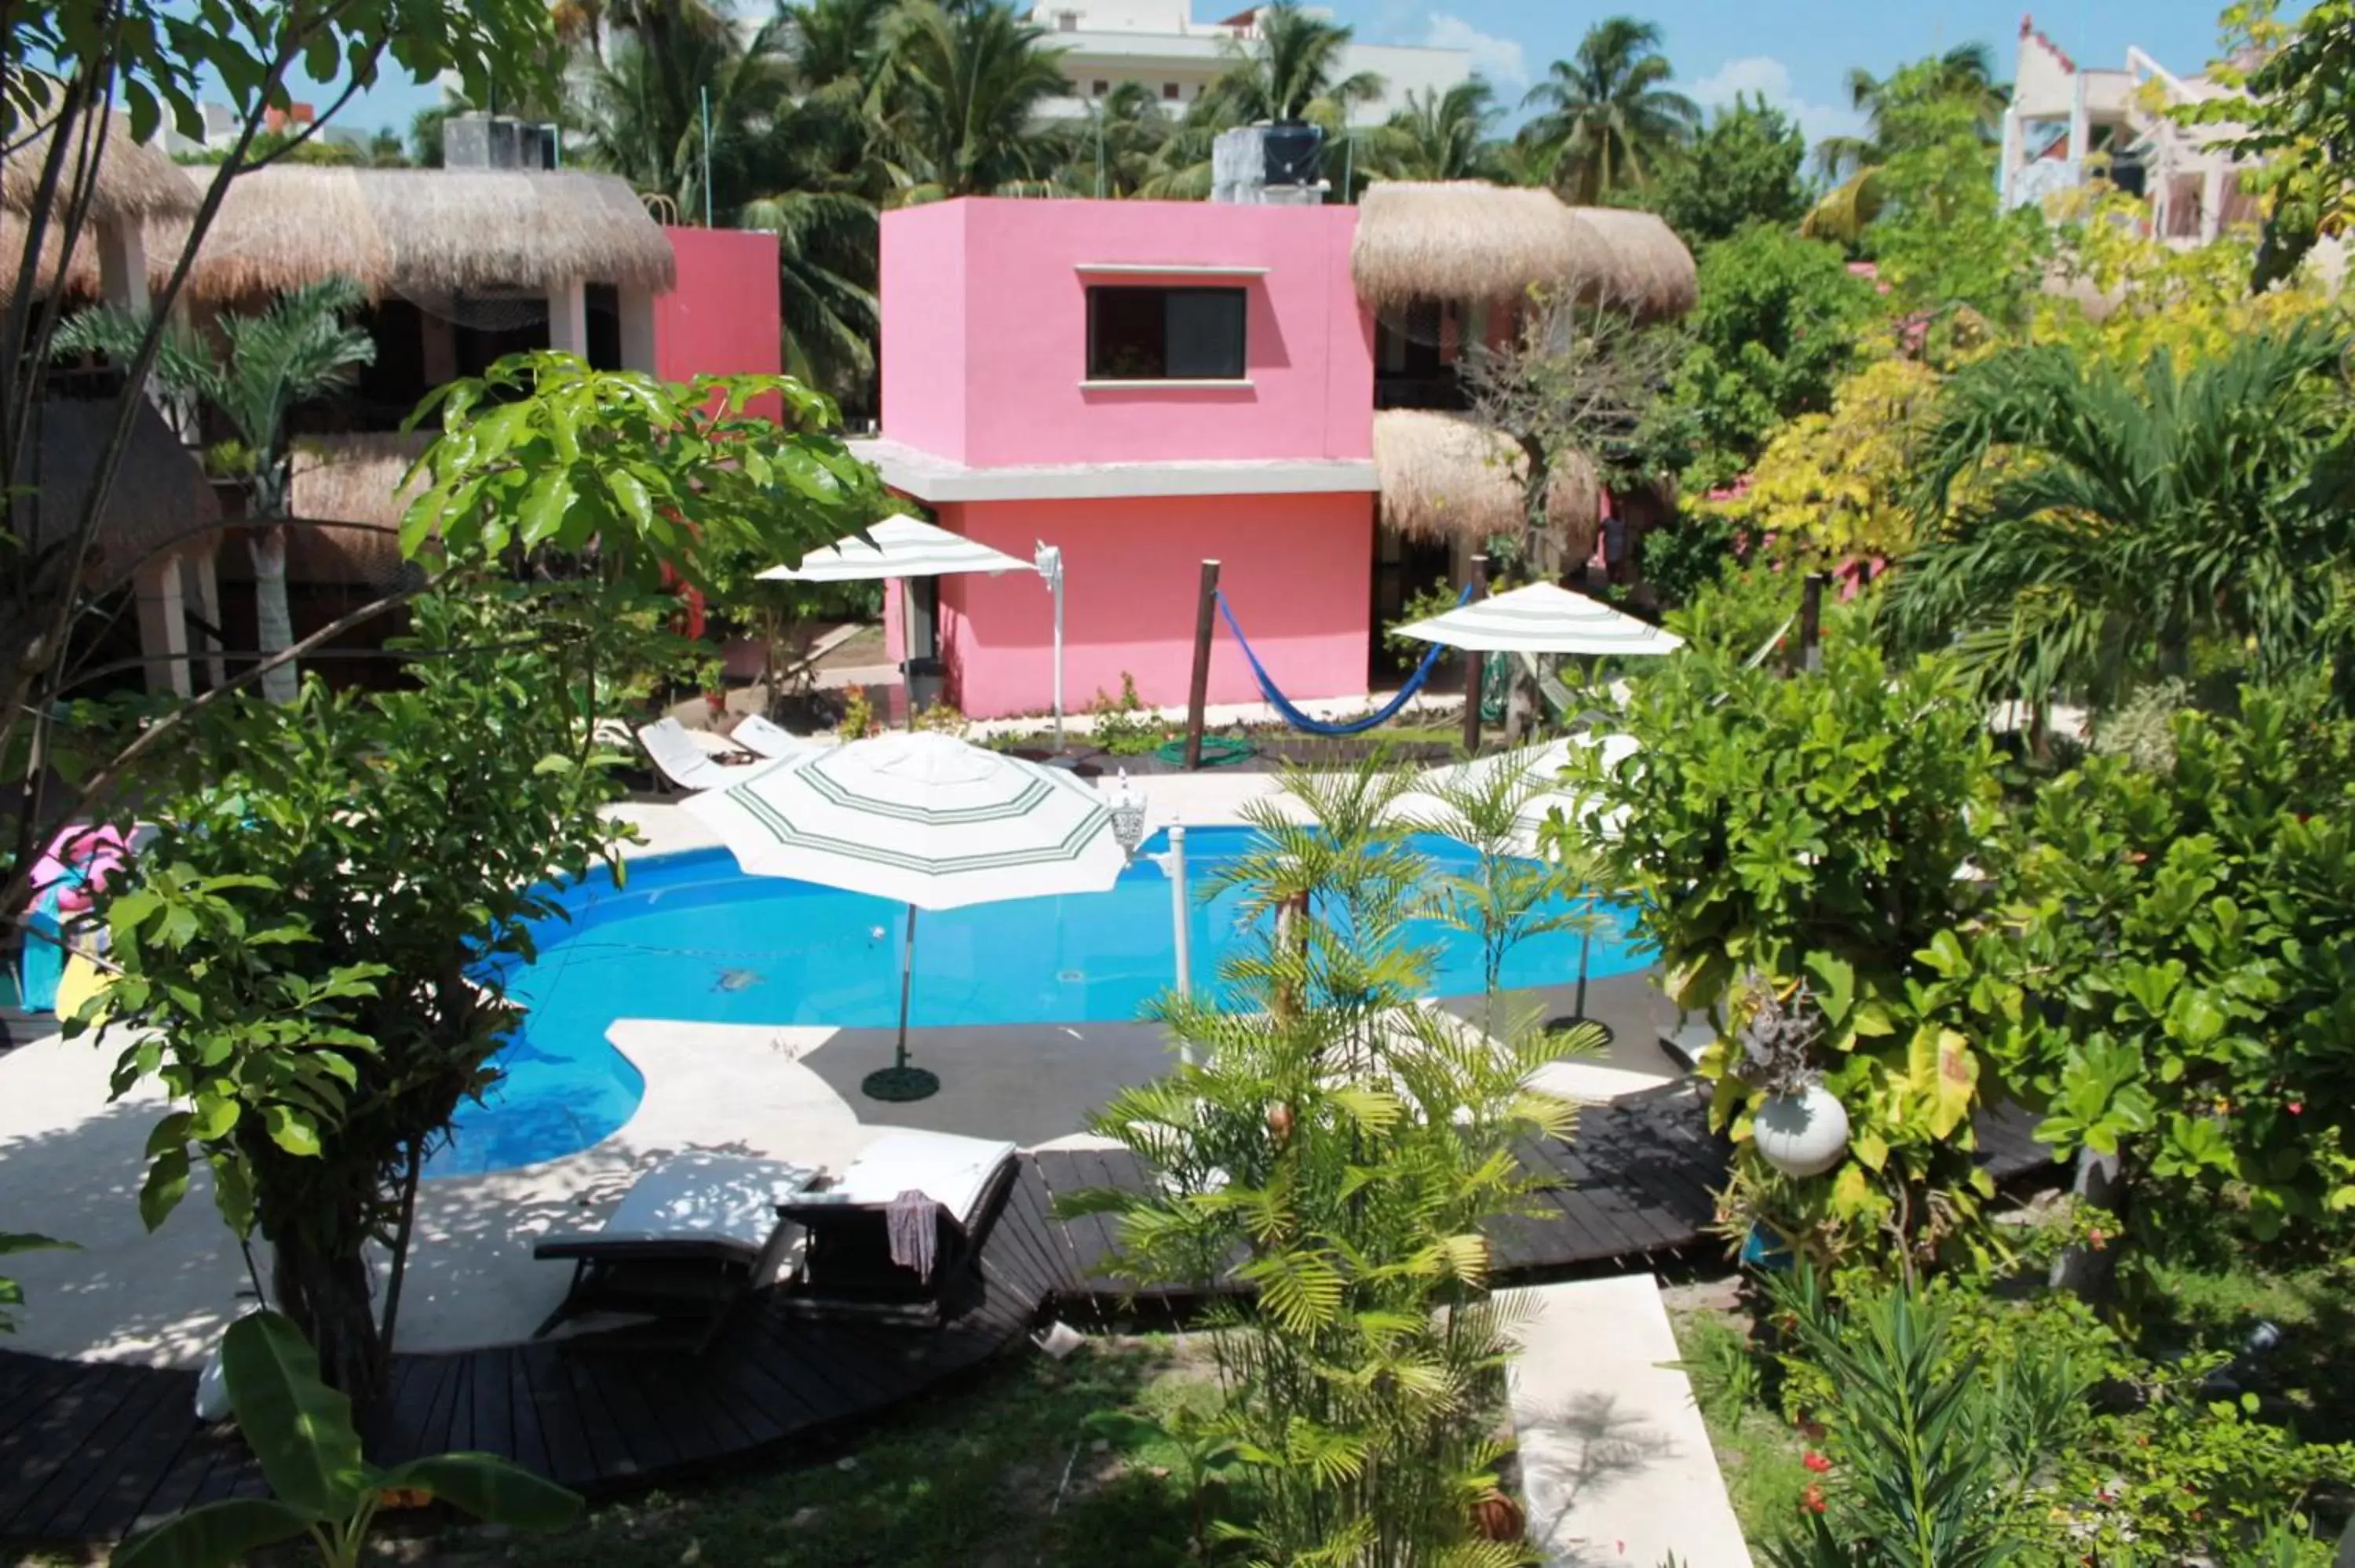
x=1744 y=169
x=972 y=80
x=2149 y=295
x=1574 y=385
x=261 y=368
x=75 y=67
x=302 y=968
x=664 y=481
x=1841 y=485
x=2293 y=117
x=2183 y=934
x=1339 y=1149
x=1964 y=75
x=1608 y=121
x=1776 y=328
x=1441 y=136
x=1941 y=237
x=1819 y=832
x=301 y=1431
x=2119 y=516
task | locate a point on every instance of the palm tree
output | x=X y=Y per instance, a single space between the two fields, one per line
x=261 y=369
x=805 y=168
x=1608 y=119
x=1288 y=70
x=1442 y=136
x=970 y=81
x=2093 y=522
x=1903 y=112
x=1117 y=153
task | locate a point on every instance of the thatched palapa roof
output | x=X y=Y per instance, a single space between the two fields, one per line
x=1468 y=241
x=277 y=229
x=81 y=274
x=356 y=480
x=132 y=184
x=427 y=232
x=159 y=497
x=1445 y=477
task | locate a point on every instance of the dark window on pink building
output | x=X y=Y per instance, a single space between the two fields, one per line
x=1164 y=334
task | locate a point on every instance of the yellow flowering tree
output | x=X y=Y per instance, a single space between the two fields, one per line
x=1837 y=486
x=2129 y=295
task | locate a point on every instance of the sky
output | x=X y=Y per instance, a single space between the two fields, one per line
x=1795 y=52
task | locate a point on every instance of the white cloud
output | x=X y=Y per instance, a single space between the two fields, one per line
x=1762 y=75
x=1501 y=60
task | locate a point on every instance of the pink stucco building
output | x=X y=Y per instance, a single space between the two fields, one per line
x=1144 y=384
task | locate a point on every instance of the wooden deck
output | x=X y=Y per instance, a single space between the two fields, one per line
x=92 y=1451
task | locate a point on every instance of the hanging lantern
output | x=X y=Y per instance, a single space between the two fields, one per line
x=1802 y=1132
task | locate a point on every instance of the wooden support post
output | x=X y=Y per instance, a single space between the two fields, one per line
x=1197 y=695
x=1475 y=664
x=1811 y=623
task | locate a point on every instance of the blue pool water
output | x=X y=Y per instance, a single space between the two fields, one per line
x=690 y=938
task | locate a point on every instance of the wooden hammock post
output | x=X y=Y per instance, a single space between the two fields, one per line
x=1197 y=695
x=1475 y=664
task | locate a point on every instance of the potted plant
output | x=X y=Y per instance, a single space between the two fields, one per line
x=1800 y=1128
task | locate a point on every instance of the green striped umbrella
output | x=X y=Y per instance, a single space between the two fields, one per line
x=922 y=818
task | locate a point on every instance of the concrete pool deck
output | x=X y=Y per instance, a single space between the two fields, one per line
x=70 y=1163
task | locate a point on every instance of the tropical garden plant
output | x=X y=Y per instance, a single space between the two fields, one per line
x=1741 y=169
x=1340 y=1149
x=2117 y=518
x=252 y=371
x=1836 y=831
x=301 y=1433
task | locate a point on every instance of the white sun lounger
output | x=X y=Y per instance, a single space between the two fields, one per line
x=847 y=1267
x=758 y=735
x=690 y=1238
x=685 y=761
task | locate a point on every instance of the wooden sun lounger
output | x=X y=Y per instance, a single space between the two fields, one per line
x=692 y=1237
x=846 y=1268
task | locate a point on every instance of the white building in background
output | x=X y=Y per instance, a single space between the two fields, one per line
x=1160 y=46
x=2064 y=117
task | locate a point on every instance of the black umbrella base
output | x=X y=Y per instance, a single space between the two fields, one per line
x=1572 y=1020
x=899 y=1084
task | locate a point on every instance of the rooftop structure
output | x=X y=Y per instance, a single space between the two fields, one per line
x=1158 y=45
x=2068 y=121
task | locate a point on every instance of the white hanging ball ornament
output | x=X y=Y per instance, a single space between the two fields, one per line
x=1801 y=1134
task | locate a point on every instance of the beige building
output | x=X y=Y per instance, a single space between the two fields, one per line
x=2067 y=121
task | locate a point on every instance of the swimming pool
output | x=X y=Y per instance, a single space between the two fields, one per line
x=690 y=938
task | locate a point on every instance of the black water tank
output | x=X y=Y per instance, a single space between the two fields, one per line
x=1290 y=154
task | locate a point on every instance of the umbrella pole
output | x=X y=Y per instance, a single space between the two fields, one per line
x=900 y=1081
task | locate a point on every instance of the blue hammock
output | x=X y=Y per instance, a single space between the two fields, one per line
x=1301 y=721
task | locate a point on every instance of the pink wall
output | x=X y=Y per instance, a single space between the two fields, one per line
x=922 y=354
x=1295 y=568
x=984 y=332
x=722 y=318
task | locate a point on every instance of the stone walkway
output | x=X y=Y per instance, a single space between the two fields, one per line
x=1617 y=1466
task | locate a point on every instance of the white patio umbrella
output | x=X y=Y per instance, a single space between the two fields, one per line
x=1543 y=619
x=911 y=548
x=925 y=819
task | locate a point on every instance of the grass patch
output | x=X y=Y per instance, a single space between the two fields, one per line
x=1762 y=1458
x=1004 y=1471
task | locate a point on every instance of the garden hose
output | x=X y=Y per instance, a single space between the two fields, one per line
x=1218 y=751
